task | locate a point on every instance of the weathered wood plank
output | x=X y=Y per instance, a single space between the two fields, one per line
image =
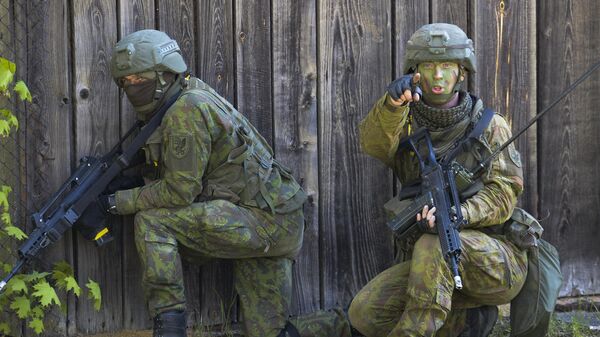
x=49 y=115
x=354 y=68
x=253 y=62
x=504 y=38
x=296 y=134
x=133 y=16
x=409 y=16
x=568 y=153
x=215 y=67
x=96 y=130
x=176 y=18
x=454 y=12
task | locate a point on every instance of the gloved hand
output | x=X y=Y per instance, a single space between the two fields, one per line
x=122 y=182
x=92 y=220
x=426 y=220
x=405 y=89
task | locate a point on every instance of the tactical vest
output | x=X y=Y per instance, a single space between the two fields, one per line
x=249 y=176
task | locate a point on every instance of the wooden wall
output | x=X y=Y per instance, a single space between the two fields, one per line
x=305 y=73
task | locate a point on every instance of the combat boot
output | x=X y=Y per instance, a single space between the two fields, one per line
x=480 y=321
x=170 y=324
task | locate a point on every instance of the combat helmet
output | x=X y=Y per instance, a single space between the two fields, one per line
x=440 y=42
x=146 y=50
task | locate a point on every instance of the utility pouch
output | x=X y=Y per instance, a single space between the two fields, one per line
x=523 y=229
x=531 y=310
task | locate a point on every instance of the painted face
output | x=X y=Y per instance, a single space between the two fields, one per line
x=438 y=80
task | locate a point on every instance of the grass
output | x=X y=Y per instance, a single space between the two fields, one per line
x=577 y=326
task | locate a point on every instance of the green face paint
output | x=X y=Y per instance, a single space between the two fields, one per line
x=438 y=80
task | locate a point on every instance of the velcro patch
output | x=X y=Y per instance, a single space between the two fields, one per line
x=180 y=144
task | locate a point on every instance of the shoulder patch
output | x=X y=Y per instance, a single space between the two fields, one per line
x=180 y=144
x=514 y=155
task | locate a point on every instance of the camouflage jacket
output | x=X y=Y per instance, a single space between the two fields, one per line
x=205 y=149
x=496 y=190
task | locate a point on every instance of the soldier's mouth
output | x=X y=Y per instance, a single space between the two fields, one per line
x=436 y=89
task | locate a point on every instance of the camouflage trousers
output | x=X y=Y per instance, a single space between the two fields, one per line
x=261 y=244
x=417 y=297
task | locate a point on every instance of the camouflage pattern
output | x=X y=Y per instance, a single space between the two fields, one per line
x=213 y=190
x=415 y=298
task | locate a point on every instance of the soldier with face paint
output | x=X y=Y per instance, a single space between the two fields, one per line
x=212 y=190
x=417 y=297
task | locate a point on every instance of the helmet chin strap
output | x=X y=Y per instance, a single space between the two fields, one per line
x=459 y=82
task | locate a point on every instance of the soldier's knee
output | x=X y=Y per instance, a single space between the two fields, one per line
x=428 y=244
x=359 y=314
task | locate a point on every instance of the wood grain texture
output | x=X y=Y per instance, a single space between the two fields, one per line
x=409 y=16
x=133 y=16
x=176 y=18
x=454 y=12
x=96 y=130
x=569 y=157
x=506 y=73
x=296 y=134
x=216 y=68
x=253 y=64
x=354 y=68
x=49 y=114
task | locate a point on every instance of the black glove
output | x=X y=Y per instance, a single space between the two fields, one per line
x=122 y=182
x=400 y=85
x=423 y=225
x=92 y=221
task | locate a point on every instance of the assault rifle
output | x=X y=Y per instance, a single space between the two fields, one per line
x=438 y=186
x=81 y=191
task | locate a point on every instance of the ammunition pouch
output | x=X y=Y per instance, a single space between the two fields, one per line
x=523 y=229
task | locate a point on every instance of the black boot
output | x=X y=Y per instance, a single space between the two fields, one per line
x=170 y=324
x=480 y=321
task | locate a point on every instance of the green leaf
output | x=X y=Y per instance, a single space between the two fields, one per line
x=6 y=267
x=94 y=294
x=15 y=232
x=4 y=128
x=5 y=217
x=23 y=92
x=4 y=196
x=17 y=285
x=72 y=285
x=63 y=267
x=21 y=306
x=37 y=312
x=60 y=272
x=46 y=293
x=5 y=329
x=37 y=325
x=7 y=72
x=35 y=276
x=10 y=118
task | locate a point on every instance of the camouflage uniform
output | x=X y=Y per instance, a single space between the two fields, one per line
x=416 y=297
x=215 y=191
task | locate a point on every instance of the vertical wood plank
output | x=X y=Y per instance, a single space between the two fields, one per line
x=409 y=16
x=454 y=12
x=49 y=115
x=97 y=129
x=133 y=16
x=253 y=61
x=295 y=124
x=504 y=38
x=354 y=69
x=216 y=68
x=176 y=18
x=568 y=153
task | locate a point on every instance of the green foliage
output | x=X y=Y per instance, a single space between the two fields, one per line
x=94 y=294
x=27 y=296
x=37 y=325
x=22 y=306
x=46 y=293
